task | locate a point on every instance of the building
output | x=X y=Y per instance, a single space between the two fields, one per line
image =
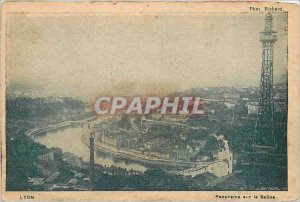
x=49 y=162
x=156 y=144
x=76 y=161
x=229 y=105
x=222 y=164
x=231 y=96
x=113 y=139
x=54 y=154
x=252 y=108
x=180 y=154
x=36 y=183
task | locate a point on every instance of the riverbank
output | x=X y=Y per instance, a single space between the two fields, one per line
x=137 y=157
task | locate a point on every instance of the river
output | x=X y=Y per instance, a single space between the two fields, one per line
x=69 y=140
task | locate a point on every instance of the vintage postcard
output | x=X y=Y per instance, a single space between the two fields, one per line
x=136 y=101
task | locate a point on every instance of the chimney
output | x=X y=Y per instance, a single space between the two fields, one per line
x=92 y=161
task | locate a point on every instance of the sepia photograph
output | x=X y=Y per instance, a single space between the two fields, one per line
x=158 y=100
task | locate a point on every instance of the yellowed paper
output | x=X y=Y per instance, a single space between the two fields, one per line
x=150 y=101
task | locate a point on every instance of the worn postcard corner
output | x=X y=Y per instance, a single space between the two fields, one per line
x=183 y=101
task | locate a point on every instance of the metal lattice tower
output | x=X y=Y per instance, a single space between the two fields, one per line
x=264 y=135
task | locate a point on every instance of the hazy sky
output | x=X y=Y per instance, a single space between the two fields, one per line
x=93 y=54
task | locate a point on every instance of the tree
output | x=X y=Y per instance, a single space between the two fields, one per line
x=212 y=146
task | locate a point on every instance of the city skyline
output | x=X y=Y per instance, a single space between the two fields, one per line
x=164 y=97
